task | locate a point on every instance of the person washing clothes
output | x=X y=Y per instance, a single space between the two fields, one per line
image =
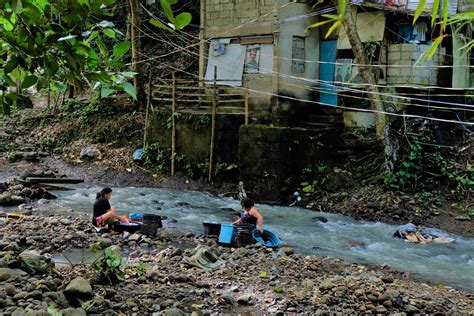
x=103 y=213
x=250 y=215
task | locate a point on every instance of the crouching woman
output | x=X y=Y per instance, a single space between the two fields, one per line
x=103 y=213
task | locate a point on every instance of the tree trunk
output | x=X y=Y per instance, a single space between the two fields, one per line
x=382 y=125
x=135 y=40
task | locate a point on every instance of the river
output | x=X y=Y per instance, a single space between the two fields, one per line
x=342 y=237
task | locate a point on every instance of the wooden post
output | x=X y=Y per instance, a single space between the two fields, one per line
x=135 y=50
x=213 y=123
x=173 y=121
x=246 y=101
x=148 y=103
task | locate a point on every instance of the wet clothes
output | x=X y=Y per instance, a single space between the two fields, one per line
x=248 y=219
x=101 y=206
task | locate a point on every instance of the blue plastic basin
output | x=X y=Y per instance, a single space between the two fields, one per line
x=226 y=236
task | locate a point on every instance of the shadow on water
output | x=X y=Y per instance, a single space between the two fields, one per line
x=307 y=231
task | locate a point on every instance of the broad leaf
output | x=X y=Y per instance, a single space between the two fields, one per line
x=129 y=74
x=12 y=64
x=105 y=91
x=130 y=89
x=182 y=20
x=166 y=7
x=159 y=24
x=110 y=33
x=103 y=49
x=17 y=6
x=115 y=64
x=29 y=81
x=106 y=24
x=121 y=49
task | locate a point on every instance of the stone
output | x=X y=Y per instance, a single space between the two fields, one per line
x=174 y=312
x=20 y=295
x=7 y=273
x=106 y=241
x=9 y=289
x=326 y=285
x=387 y=279
x=90 y=152
x=135 y=237
x=288 y=250
x=411 y=309
x=34 y=263
x=244 y=299
x=380 y=309
x=36 y=294
x=78 y=287
x=42 y=201
x=321 y=219
x=73 y=312
x=228 y=298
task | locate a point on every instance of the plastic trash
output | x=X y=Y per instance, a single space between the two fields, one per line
x=138 y=154
x=203 y=258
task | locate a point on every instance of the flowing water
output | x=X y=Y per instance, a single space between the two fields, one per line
x=341 y=236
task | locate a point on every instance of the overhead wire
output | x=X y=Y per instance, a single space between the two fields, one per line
x=298 y=78
x=345 y=107
x=345 y=88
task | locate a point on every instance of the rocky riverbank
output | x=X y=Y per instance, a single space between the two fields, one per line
x=159 y=278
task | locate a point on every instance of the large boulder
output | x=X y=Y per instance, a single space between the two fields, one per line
x=34 y=263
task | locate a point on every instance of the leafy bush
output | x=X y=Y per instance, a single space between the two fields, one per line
x=110 y=267
x=426 y=161
x=314 y=178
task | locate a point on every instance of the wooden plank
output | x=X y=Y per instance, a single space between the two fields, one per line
x=182 y=100
x=232 y=101
x=52 y=180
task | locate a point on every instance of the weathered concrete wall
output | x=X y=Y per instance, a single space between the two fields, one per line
x=465 y=5
x=270 y=155
x=232 y=17
x=287 y=84
x=193 y=138
x=407 y=55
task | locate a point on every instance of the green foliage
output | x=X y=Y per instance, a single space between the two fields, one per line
x=406 y=174
x=50 y=45
x=136 y=270
x=53 y=310
x=177 y=23
x=156 y=157
x=278 y=290
x=74 y=108
x=425 y=161
x=263 y=274
x=313 y=178
x=110 y=266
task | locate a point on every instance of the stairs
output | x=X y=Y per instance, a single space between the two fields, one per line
x=317 y=118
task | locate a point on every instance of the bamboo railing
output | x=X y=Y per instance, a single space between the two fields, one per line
x=189 y=95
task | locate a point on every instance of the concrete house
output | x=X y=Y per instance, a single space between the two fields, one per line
x=264 y=47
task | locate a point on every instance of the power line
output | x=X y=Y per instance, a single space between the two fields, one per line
x=345 y=88
x=346 y=108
